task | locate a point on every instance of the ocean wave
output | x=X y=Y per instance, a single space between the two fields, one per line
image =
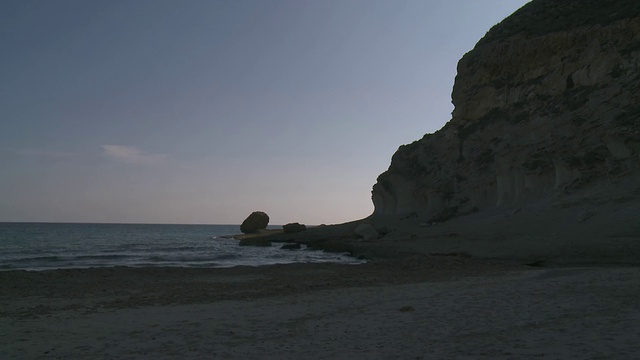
x=168 y=248
x=37 y=259
x=209 y=264
x=183 y=258
x=87 y=246
x=100 y=257
x=56 y=258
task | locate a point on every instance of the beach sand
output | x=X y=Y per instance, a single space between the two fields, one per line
x=418 y=308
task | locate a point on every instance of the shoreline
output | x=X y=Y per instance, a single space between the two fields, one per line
x=162 y=281
x=413 y=298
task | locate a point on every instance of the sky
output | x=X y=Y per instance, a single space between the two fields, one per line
x=202 y=111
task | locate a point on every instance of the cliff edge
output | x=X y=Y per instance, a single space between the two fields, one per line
x=541 y=159
x=547 y=108
x=540 y=163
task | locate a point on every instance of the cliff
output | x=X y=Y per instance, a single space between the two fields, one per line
x=547 y=115
x=540 y=163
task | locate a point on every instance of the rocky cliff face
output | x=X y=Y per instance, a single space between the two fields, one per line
x=547 y=104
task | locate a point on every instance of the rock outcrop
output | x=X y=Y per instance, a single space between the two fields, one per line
x=547 y=104
x=366 y=231
x=255 y=241
x=293 y=228
x=255 y=222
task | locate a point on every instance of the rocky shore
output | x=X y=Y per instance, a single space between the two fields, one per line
x=540 y=162
x=603 y=234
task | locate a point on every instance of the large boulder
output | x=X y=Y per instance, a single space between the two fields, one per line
x=293 y=228
x=257 y=221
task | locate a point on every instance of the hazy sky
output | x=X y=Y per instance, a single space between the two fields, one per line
x=201 y=111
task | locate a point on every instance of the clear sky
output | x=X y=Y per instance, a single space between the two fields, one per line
x=201 y=111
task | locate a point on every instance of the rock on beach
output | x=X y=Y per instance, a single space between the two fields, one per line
x=292 y=228
x=258 y=220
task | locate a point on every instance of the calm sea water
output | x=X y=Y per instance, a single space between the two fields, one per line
x=42 y=246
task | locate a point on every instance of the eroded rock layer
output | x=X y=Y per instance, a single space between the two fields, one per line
x=547 y=103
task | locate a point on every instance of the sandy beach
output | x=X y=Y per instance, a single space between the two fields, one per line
x=139 y=134
x=417 y=308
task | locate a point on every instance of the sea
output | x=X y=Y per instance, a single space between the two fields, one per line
x=46 y=246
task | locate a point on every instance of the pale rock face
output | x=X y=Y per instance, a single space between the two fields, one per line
x=535 y=116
